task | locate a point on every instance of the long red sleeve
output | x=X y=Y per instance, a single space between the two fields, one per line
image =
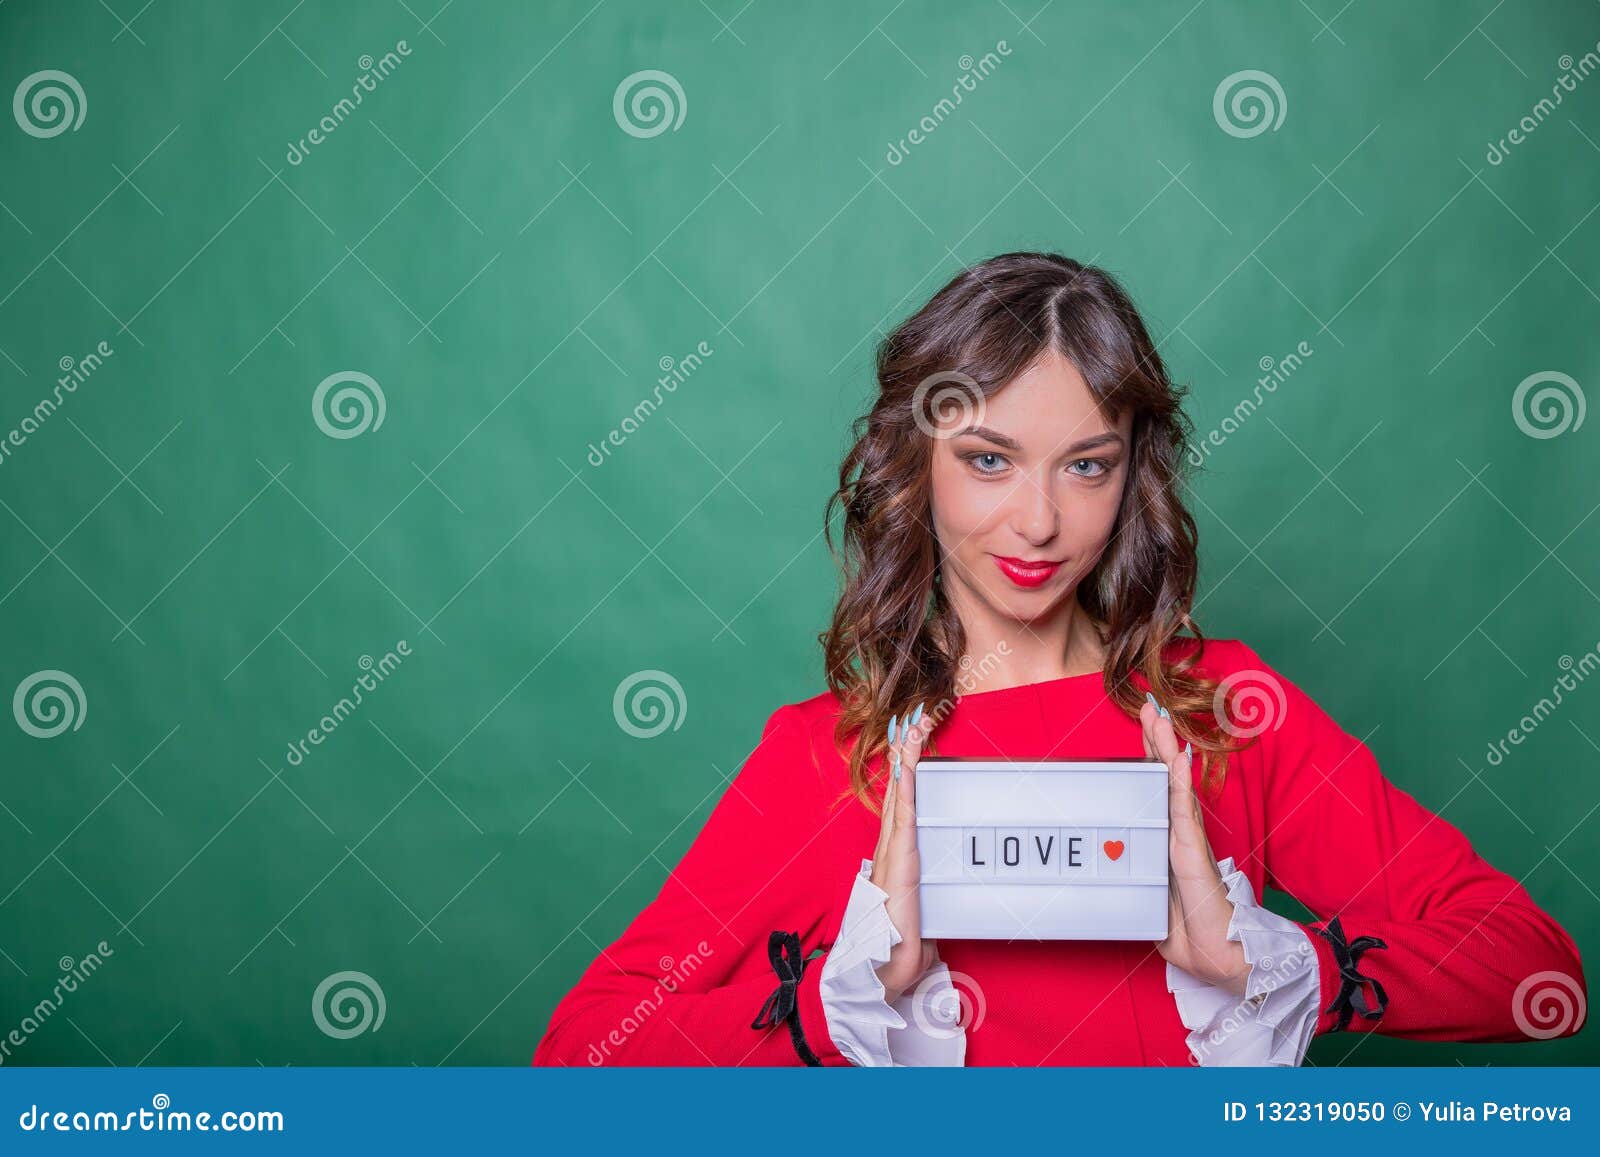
x=684 y=981
x=1469 y=956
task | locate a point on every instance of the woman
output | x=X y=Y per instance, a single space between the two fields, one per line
x=1018 y=566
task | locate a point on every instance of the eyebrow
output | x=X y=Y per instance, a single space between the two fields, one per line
x=1110 y=438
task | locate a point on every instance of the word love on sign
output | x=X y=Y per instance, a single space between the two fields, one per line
x=1042 y=850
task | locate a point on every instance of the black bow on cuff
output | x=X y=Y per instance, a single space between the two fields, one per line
x=788 y=961
x=1352 y=996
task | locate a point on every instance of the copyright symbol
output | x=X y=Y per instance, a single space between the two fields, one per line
x=1402 y=1111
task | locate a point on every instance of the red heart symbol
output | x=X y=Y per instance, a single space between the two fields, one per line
x=1114 y=849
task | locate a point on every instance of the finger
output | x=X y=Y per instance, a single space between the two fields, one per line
x=1180 y=775
x=1161 y=735
x=1147 y=717
x=1168 y=747
x=1185 y=816
x=905 y=811
x=886 y=823
x=880 y=853
x=1188 y=783
x=911 y=744
x=890 y=792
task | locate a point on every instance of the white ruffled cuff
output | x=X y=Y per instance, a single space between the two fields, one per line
x=920 y=1028
x=1272 y=1024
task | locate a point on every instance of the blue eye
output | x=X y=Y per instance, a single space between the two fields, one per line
x=974 y=458
x=1099 y=467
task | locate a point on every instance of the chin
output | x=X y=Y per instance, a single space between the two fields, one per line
x=1045 y=611
x=1033 y=606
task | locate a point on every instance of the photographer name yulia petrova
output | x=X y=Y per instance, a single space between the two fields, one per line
x=1491 y=1111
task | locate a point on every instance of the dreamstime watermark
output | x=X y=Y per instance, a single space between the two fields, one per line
x=1577 y=672
x=970 y=673
x=974 y=671
x=373 y=73
x=159 y=1118
x=374 y=673
x=1550 y=411
x=972 y=72
x=1248 y=103
x=49 y=702
x=675 y=972
x=674 y=372
x=74 y=372
x=1274 y=372
x=1572 y=72
x=1548 y=1004
x=648 y=103
x=646 y=703
x=959 y=1008
x=73 y=973
x=48 y=103
x=946 y=403
x=347 y=1004
x=351 y=411
x=1247 y=703
x=1274 y=972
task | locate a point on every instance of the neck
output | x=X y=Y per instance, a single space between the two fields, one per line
x=1007 y=652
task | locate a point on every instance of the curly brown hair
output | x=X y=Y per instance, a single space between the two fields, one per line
x=895 y=640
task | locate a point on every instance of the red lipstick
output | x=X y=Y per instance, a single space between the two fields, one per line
x=1026 y=572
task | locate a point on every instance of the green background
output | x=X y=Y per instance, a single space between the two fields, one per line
x=483 y=239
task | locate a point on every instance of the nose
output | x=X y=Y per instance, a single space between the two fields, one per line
x=1034 y=513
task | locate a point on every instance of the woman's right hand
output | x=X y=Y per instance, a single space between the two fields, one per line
x=896 y=867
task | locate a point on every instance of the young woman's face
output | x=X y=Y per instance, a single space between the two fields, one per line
x=1038 y=482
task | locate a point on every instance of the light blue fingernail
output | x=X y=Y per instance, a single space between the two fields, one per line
x=894 y=721
x=897 y=769
x=916 y=715
x=1188 y=749
x=1163 y=712
x=1152 y=699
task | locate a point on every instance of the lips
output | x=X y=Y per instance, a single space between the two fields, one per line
x=1026 y=573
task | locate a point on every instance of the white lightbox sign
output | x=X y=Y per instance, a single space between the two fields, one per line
x=1042 y=850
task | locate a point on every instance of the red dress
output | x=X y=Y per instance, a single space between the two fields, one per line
x=1467 y=955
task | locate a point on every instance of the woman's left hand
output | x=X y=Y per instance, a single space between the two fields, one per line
x=1198 y=908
